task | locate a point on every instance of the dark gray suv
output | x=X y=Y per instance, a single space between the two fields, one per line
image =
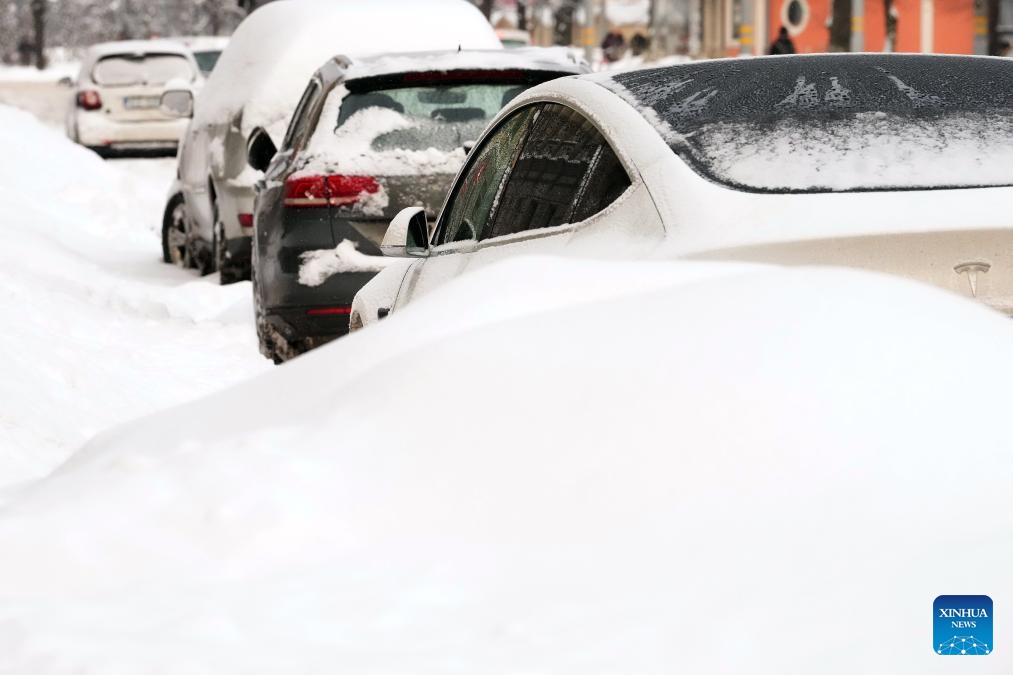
x=368 y=139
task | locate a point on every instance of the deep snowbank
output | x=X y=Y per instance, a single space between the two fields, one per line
x=95 y=329
x=696 y=469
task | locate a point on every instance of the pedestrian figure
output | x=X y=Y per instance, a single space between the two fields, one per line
x=783 y=43
x=639 y=44
x=613 y=46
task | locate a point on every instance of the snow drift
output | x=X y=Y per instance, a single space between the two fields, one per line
x=695 y=468
x=96 y=330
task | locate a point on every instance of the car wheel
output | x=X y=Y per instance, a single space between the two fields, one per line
x=176 y=246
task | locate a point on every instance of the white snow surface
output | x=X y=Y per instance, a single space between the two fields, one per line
x=599 y=468
x=316 y=267
x=96 y=329
x=348 y=149
x=271 y=56
x=527 y=58
x=30 y=74
x=868 y=150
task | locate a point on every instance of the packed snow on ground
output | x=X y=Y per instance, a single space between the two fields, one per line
x=667 y=468
x=53 y=73
x=96 y=329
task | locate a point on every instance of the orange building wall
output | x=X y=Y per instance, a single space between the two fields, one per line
x=953 y=26
x=874 y=23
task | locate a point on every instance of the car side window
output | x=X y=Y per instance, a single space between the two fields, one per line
x=566 y=173
x=471 y=204
x=303 y=121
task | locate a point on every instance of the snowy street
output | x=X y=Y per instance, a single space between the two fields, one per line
x=505 y=337
x=98 y=330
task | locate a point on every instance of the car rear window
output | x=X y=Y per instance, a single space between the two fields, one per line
x=133 y=69
x=206 y=60
x=834 y=122
x=421 y=111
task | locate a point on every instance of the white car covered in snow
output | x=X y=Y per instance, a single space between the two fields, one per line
x=258 y=82
x=116 y=105
x=896 y=163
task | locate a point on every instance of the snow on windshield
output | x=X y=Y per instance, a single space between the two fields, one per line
x=834 y=122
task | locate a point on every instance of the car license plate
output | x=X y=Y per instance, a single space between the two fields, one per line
x=141 y=102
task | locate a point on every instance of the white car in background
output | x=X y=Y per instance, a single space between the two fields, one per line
x=116 y=105
x=257 y=84
x=898 y=163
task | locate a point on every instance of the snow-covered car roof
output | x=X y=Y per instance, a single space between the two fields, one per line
x=275 y=51
x=553 y=59
x=200 y=43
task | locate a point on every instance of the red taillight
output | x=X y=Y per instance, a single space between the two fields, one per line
x=328 y=311
x=89 y=100
x=317 y=191
x=245 y=220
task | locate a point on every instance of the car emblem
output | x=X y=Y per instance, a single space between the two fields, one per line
x=971 y=270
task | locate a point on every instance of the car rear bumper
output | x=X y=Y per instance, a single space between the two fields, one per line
x=312 y=313
x=304 y=331
x=97 y=130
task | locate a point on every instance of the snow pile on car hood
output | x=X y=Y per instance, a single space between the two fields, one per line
x=274 y=52
x=685 y=471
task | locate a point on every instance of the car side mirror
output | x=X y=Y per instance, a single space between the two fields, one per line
x=260 y=150
x=408 y=234
x=177 y=103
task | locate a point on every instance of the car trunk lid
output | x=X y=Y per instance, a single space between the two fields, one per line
x=977 y=264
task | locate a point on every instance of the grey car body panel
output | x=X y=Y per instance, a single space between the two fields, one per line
x=282 y=235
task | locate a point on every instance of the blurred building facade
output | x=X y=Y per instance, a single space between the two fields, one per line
x=714 y=28
x=734 y=27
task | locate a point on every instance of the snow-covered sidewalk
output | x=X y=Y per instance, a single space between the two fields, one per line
x=96 y=330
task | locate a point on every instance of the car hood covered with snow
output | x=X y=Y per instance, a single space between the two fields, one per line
x=680 y=472
x=276 y=50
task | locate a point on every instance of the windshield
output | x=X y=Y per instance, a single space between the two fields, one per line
x=834 y=123
x=125 y=70
x=206 y=60
x=443 y=117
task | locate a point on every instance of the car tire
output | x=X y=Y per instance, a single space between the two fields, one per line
x=177 y=248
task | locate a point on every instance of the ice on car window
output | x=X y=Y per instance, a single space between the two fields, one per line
x=441 y=117
x=128 y=69
x=825 y=123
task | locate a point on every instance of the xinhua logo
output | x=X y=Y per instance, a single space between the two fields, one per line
x=962 y=625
